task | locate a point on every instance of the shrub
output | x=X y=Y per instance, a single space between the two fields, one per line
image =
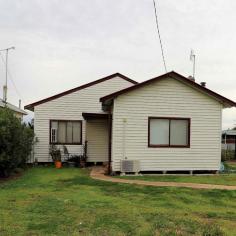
x=227 y=155
x=15 y=142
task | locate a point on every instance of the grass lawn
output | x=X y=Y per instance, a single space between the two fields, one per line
x=47 y=201
x=222 y=179
x=231 y=165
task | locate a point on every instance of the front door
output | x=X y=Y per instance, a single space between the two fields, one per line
x=97 y=133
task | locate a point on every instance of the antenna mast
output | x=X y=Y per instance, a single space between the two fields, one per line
x=193 y=59
x=5 y=86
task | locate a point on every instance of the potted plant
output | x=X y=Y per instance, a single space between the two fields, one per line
x=82 y=161
x=56 y=156
x=73 y=161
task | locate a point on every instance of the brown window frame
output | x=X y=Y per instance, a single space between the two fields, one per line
x=169 y=145
x=65 y=143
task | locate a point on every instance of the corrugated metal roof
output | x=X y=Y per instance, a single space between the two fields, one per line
x=12 y=107
x=229 y=132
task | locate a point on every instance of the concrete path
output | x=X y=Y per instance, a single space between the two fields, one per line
x=98 y=174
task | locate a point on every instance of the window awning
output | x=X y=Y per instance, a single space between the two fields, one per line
x=89 y=116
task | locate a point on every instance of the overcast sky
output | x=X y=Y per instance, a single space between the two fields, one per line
x=62 y=44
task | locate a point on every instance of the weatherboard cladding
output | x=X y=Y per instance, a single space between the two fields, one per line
x=166 y=98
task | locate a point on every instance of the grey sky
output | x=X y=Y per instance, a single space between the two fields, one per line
x=62 y=44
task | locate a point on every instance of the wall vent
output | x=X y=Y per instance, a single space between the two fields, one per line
x=129 y=166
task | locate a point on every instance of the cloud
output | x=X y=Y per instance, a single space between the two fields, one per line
x=62 y=44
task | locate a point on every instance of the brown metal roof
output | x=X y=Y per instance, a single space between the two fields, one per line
x=32 y=105
x=173 y=74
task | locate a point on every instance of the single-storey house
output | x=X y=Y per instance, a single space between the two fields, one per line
x=168 y=123
x=18 y=112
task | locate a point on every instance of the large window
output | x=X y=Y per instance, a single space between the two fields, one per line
x=168 y=132
x=65 y=132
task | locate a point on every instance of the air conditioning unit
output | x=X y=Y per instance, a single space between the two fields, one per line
x=129 y=166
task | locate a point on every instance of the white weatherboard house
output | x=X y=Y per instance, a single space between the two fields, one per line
x=168 y=123
x=17 y=111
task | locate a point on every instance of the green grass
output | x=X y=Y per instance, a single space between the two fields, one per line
x=222 y=179
x=47 y=201
x=229 y=165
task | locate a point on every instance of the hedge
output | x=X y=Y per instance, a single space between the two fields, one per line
x=16 y=141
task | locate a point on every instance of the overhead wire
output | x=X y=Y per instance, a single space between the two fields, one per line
x=159 y=35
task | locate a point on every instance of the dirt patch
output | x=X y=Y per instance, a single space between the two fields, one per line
x=98 y=173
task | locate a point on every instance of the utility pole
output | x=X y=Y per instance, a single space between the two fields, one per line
x=193 y=58
x=6 y=62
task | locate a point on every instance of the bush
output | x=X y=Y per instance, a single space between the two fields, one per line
x=15 y=142
x=227 y=155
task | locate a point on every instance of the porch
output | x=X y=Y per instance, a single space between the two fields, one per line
x=97 y=137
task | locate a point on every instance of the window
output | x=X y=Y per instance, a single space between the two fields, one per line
x=65 y=132
x=168 y=132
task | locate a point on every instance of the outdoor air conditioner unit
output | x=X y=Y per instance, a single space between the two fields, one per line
x=129 y=166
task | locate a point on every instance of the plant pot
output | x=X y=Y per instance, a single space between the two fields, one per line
x=82 y=164
x=58 y=164
x=71 y=164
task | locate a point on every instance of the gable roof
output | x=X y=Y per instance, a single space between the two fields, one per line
x=32 y=105
x=12 y=107
x=227 y=102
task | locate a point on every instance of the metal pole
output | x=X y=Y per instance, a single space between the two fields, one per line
x=193 y=58
x=194 y=66
x=109 y=141
x=6 y=62
x=226 y=147
x=5 y=95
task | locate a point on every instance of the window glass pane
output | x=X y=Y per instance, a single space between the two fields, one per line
x=53 y=135
x=54 y=124
x=179 y=132
x=76 y=132
x=69 y=132
x=159 y=132
x=61 y=132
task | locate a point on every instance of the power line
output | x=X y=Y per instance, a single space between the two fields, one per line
x=11 y=78
x=159 y=35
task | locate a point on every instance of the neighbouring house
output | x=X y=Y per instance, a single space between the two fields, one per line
x=19 y=113
x=168 y=123
x=229 y=141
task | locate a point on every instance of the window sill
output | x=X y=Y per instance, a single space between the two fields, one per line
x=66 y=143
x=167 y=146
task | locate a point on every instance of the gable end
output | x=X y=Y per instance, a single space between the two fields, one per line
x=225 y=101
x=32 y=105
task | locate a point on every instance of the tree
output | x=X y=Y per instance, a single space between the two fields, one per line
x=15 y=142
